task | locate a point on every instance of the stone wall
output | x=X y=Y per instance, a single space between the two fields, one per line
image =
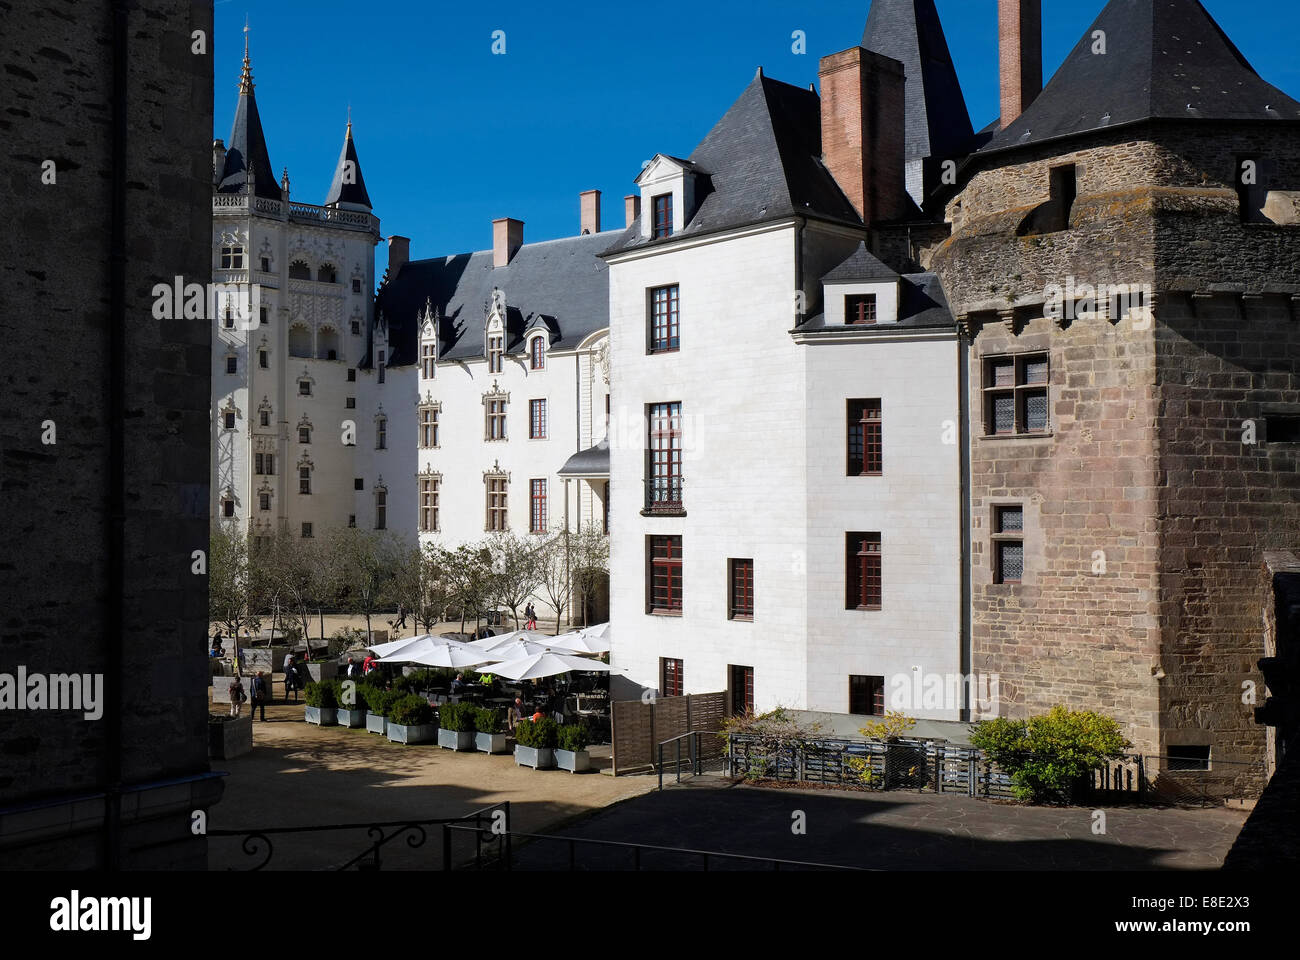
x=58 y=60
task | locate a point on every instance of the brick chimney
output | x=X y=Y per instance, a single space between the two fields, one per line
x=399 y=252
x=632 y=208
x=1020 y=55
x=863 y=131
x=507 y=238
x=589 y=200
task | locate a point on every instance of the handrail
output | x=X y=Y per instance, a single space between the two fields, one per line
x=638 y=847
x=694 y=757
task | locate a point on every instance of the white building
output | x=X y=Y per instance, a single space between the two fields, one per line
x=786 y=509
x=295 y=397
x=505 y=366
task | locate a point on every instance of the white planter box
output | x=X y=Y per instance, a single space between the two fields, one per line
x=322 y=716
x=490 y=742
x=322 y=671
x=455 y=740
x=376 y=723
x=539 y=758
x=574 y=762
x=230 y=738
x=414 y=733
x=351 y=718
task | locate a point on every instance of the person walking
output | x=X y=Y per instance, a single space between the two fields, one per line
x=259 y=696
x=236 y=697
x=290 y=678
x=530 y=614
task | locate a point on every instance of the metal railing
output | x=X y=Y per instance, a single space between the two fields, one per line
x=695 y=754
x=259 y=843
x=663 y=494
x=505 y=861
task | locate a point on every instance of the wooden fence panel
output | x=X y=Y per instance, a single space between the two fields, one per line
x=631 y=734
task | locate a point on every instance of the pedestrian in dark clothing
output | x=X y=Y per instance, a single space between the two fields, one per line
x=260 y=696
x=290 y=678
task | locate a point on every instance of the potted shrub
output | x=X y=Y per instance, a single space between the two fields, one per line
x=456 y=726
x=350 y=714
x=411 y=720
x=322 y=704
x=490 y=727
x=571 y=748
x=378 y=702
x=535 y=743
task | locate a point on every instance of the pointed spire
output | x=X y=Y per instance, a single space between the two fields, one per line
x=246 y=77
x=349 y=187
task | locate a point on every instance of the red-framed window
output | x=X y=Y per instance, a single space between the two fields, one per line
x=497 y=518
x=664 y=581
x=860 y=308
x=663 y=216
x=867 y=696
x=671 y=682
x=665 y=325
x=866 y=434
x=537 y=506
x=740 y=683
x=740 y=580
x=664 y=466
x=537 y=353
x=863 y=565
x=536 y=419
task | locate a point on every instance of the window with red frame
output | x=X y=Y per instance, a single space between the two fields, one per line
x=741 y=683
x=537 y=508
x=664 y=593
x=865 y=439
x=863 y=565
x=670 y=677
x=536 y=419
x=867 y=696
x=860 y=309
x=740 y=577
x=537 y=353
x=663 y=212
x=664 y=469
x=665 y=332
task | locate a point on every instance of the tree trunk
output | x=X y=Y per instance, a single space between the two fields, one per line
x=369 y=635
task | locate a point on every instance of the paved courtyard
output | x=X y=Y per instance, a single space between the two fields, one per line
x=890 y=831
x=302 y=775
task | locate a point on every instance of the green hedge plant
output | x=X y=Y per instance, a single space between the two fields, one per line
x=321 y=695
x=1048 y=756
x=574 y=737
x=539 y=734
x=410 y=711
x=489 y=720
x=378 y=700
x=459 y=717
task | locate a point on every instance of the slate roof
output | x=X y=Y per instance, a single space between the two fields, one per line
x=909 y=31
x=860 y=267
x=559 y=283
x=341 y=192
x=922 y=304
x=592 y=462
x=246 y=147
x=1162 y=57
x=760 y=162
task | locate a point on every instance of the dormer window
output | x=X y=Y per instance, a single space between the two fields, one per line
x=860 y=308
x=428 y=360
x=495 y=352
x=537 y=353
x=663 y=216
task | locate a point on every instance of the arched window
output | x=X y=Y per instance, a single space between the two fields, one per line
x=299 y=341
x=537 y=353
x=298 y=270
x=327 y=344
x=327 y=274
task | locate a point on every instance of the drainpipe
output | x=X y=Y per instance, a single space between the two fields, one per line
x=798 y=270
x=117 y=330
x=964 y=455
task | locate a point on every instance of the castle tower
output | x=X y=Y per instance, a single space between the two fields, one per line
x=1124 y=260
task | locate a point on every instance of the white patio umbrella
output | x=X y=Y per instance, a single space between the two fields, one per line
x=493 y=643
x=383 y=650
x=578 y=642
x=515 y=650
x=449 y=654
x=598 y=630
x=433 y=647
x=540 y=665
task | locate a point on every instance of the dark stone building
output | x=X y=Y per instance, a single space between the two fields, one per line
x=104 y=436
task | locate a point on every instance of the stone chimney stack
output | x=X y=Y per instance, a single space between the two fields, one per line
x=632 y=208
x=399 y=252
x=1020 y=55
x=507 y=238
x=590 y=203
x=863 y=131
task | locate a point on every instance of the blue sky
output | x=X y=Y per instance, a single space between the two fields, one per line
x=451 y=136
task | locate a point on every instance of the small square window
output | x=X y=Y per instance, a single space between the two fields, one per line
x=264 y=416
x=266 y=264
x=229 y=419
x=228 y=508
x=1188 y=758
x=671 y=680
x=860 y=308
x=232 y=365
x=264 y=501
x=306 y=531
x=352 y=375
x=351 y=403
x=263 y=360
x=304 y=434
x=356 y=327
x=358 y=484
x=304 y=388
x=356 y=285
x=352 y=519
x=1008 y=544
x=867 y=696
